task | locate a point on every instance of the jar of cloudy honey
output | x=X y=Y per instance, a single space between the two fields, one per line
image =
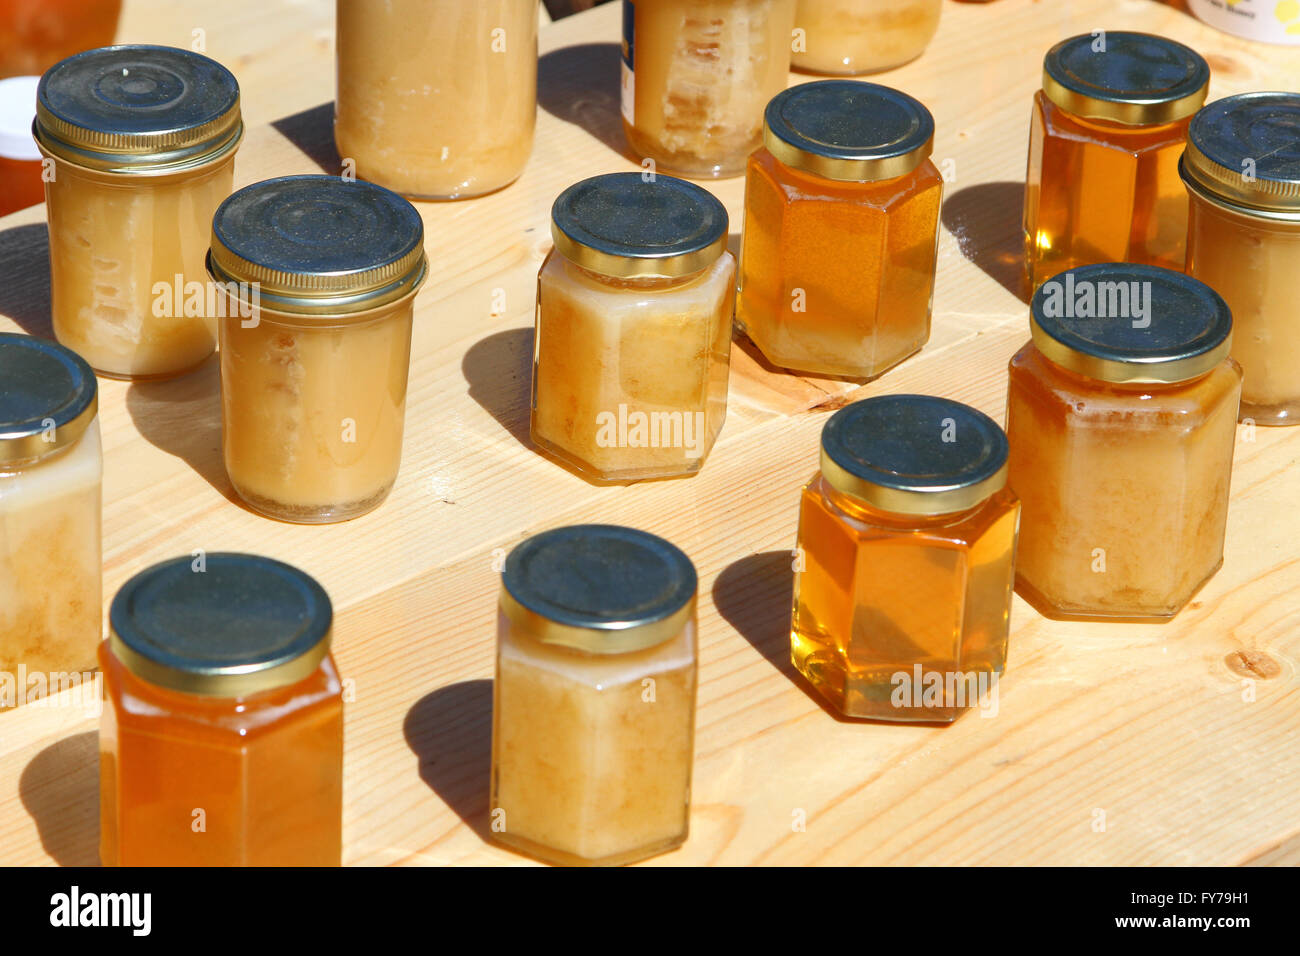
x=1104 y=140
x=221 y=741
x=1122 y=414
x=1242 y=170
x=633 y=343
x=319 y=275
x=594 y=704
x=848 y=37
x=437 y=99
x=841 y=230
x=51 y=471
x=904 y=565
x=696 y=76
x=143 y=143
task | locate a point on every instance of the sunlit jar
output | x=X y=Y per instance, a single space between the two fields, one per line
x=1122 y=413
x=1268 y=21
x=904 y=566
x=594 y=702
x=50 y=475
x=20 y=160
x=221 y=740
x=36 y=34
x=437 y=99
x=696 y=76
x=143 y=140
x=1104 y=140
x=848 y=37
x=633 y=341
x=320 y=276
x=841 y=230
x=1242 y=170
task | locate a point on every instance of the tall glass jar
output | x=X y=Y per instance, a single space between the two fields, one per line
x=907 y=539
x=1122 y=416
x=51 y=471
x=221 y=741
x=633 y=340
x=1107 y=129
x=850 y=37
x=1242 y=170
x=594 y=703
x=143 y=141
x=841 y=230
x=437 y=99
x=319 y=276
x=696 y=76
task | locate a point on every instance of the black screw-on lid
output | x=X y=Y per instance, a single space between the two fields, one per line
x=1246 y=149
x=48 y=396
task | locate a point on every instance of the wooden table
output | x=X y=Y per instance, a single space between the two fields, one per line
x=1124 y=743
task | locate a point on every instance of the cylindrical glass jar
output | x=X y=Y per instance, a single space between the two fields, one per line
x=594 y=702
x=1269 y=21
x=696 y=76
x=20 y=160
x=320 y=276
x=851 y=37
x=633 y=340
x=221 y=741
x=841 y=230
x=1122 y=414
x=1104 y=140
x=36 y=34
x=437 y=99
x=143 y=140
x=1242 y=170
x=907 y=539
x=51 y=471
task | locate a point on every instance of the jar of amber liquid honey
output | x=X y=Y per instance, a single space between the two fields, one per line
x=320 y=277
x=594 y=703
x=633 y=341
x=36 y=34
x=1242 y=170
x=696 y=76
x=1122 y=414
x=221 y=741
x=1104 y=140
x=841 y=230
x=907 y=539
x=51 y=471
x=850 y=37
x=437 y=99
x=143 y=143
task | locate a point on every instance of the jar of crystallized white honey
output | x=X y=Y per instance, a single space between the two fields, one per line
x=437 y=99
x=841 y=230
x=1122 y=414
x=594 y=704
x=847 y=37
x=1242 y=170
x=50 y=476
x=633 y=341
x=1104 y=140
x=143 y=141
x=320 y=276
x=221 y=741
x=696 y=76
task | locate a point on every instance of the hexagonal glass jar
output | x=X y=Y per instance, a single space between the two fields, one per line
x=594 y=702
x=841 y=229
x=1106 y=132
x=906 y=549
x=1122 y=429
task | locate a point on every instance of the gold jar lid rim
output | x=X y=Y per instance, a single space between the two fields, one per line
x=48 y=397
x=1245 y=150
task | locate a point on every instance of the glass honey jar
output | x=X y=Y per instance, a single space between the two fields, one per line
x=36 y=34
x=51 y=471
x=841 y=230
x=221 y=740
x=904 y=567
x=1104 y=140
x=696 y=76
x=320 y=275
x=143 y=142
x=1242 y=171
x=594 y=702
x=633 y=339
x=437 y=99
x=851 y=37
x=1122 y=412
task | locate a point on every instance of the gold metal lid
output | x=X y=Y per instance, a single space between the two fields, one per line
x=1244 y=150
x=48 y=397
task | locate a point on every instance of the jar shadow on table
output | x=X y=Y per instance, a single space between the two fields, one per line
x=580 y=85
x=499 y=372
x=60 y=789
x=312 y=131
x=25 y=278
x=450 y=733
x=987 y=220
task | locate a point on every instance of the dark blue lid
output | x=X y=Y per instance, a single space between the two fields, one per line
x=48 y=396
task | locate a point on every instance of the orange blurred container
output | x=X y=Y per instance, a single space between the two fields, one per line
x=36 y=34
